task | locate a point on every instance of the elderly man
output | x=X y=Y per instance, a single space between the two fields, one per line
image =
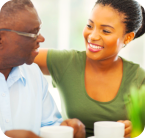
x=25 y=104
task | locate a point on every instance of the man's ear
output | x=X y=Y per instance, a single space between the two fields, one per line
x=129 y=37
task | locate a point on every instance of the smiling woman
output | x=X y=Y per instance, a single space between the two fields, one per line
x=105 y=33
x=92 y=83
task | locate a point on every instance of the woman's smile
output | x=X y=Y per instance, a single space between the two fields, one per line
x=94 y=47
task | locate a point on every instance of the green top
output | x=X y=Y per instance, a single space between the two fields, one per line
x=67 y=69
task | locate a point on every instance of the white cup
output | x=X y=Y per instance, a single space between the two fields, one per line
x=56 y=132
x=109 y=129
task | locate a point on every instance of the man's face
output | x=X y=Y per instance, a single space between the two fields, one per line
x=21 y=49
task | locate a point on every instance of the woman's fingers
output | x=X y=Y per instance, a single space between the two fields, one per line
x=128 y=127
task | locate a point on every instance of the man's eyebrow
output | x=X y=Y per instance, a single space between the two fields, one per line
x=36 y=28
x=107 y=26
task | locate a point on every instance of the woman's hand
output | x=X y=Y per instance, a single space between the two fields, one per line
x=77 y=125
x=128 y=127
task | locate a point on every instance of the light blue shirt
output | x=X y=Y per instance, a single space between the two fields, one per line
x=25 y=102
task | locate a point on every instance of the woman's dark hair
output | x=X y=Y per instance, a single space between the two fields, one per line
x=133 y=11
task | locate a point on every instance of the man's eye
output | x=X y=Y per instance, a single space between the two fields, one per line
x=89 y=26
x=105 y=31
x=36 y=31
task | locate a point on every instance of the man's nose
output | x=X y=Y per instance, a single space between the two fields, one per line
x=40 y=38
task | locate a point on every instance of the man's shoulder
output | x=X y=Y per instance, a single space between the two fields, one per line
x=32 y=70
x=32 y=67
x=33 y=75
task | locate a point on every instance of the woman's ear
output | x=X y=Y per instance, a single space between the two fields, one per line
x=129 y=37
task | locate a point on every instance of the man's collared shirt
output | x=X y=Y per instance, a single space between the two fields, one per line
x=25 y=102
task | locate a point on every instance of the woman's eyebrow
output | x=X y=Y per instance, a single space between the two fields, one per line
x=102 y=25
x=107 y=26
x=91 y=21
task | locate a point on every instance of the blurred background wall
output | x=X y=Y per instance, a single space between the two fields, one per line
x=63 y=23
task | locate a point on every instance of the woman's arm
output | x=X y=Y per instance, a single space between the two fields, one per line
x=41 y=60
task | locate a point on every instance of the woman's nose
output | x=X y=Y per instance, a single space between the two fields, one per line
x=94 y=35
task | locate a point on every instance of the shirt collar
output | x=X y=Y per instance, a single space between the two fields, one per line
x=16 y=74
x=22 y=75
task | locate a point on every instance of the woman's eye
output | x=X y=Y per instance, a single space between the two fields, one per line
x=89 y=26
x=105 y=31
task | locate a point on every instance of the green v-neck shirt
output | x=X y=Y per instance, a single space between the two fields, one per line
x=67 y=69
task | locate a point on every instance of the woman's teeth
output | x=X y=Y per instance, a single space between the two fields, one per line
x=96 y=47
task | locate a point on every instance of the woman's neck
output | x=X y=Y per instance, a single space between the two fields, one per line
x=104 y=65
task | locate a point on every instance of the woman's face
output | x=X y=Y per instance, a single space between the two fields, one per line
x=104 y=34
